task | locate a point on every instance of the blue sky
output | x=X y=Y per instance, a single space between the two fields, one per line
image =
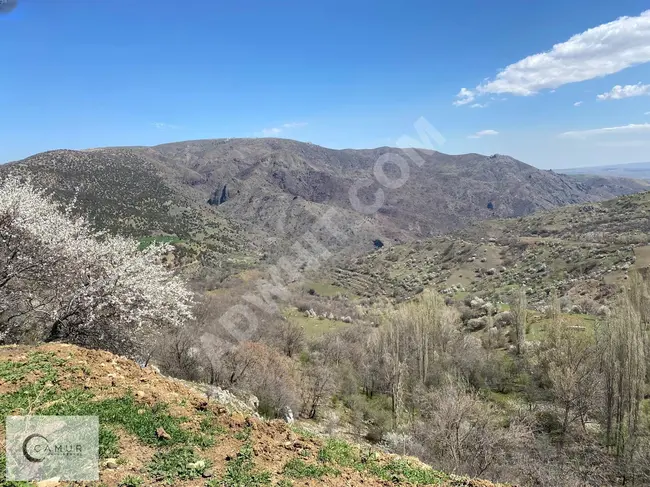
x=343 y=74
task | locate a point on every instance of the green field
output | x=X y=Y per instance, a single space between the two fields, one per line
x=314 y=327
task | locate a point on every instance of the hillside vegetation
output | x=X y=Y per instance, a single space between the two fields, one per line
x=583 y=252
x=159 y=431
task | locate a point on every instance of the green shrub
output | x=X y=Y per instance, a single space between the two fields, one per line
x=299 y=469
x=108 y=443
x=178 y=463
x=131 y=481
x=338 y=452
x=240 y=471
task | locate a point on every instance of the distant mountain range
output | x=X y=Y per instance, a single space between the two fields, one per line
x=248 y=197
x=639 y=170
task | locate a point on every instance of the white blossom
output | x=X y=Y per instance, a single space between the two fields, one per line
x=61 y=278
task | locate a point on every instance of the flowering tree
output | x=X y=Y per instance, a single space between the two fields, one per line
x=61 y=280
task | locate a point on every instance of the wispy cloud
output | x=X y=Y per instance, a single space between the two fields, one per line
x=628 y=91
x=464 y=97
x=647 y=113
x=291 y=125
x=623 y=129
x=163 y=126
x=272 y=131
x=594 y=53
x=479 y=105
x=577 y=104
x=482 y=133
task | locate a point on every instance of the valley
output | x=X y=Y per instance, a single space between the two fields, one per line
x=480 y=265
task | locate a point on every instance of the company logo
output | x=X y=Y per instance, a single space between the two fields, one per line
x=36 y=448
x=45 y=447
x=7 y=6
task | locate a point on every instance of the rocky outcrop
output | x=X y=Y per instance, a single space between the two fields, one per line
x=220 y=196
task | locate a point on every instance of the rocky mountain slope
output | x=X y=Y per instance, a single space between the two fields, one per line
x=254 y=195
x=584 y=252
x=159 y=431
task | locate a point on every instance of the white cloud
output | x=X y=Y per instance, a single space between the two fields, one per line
x=291 y=125
x=269 y=132
x=464 y=97
x=482 y=133
x=577 y=104
x=479 y=105
x=595 y=53
x=624 y=129
x=627 y=91
x=647 y=113
x=163 y=125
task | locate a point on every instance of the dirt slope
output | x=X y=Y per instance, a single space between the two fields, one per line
x=203 y=442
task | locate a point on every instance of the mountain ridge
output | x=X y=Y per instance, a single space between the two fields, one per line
x=253 y=196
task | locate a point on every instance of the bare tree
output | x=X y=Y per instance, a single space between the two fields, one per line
x=287 y=336
x=570 y=360
x=622 y=339
x=462 y=434
x=316 y=387
x=519 y=310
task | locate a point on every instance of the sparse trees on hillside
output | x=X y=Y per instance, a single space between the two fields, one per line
x=61 y=280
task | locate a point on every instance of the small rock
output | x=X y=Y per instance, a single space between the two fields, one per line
x=238 y=418
x=287 y=414
x=198 y=465
x=162 y=434
x=207 y=474
x=140 y=394
x=111 y=463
